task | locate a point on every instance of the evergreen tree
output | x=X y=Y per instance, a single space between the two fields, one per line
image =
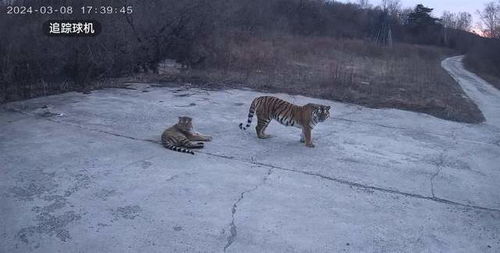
x=421 y=17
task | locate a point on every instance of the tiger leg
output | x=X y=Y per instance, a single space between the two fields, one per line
x=261 y=127
x=195 y=145
x=308 y=137
x=188 y=144
x=199 y=137
x=302 y=137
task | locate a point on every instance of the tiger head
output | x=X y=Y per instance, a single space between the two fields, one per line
x=320 y=112
x=185 y=124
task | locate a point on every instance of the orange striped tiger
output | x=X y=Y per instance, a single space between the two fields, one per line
x=305 y=117
x=179 y=137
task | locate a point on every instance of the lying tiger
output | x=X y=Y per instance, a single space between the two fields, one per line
x=304 y=117
x=179 y=137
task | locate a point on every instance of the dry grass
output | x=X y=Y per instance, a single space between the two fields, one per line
x=406 y=76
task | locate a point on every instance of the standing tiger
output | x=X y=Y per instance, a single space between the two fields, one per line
x=179 y=137
x=305 y=117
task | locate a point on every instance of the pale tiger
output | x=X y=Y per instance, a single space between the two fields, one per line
x=180 y=137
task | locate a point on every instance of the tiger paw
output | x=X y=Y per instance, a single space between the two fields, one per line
x=310 y=145
x=209 y=138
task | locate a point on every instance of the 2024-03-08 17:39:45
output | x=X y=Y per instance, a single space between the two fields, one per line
x=68 y=10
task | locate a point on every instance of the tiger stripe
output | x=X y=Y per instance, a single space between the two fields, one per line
x=167 y=141
x=182 y=138
x=178 y=149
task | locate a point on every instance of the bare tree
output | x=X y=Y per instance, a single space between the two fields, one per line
x=459 y=21
x=498 y=19
x=448 y=19
x=464 y=21
x=364 y=4
x=490 y=19
x=393 y=7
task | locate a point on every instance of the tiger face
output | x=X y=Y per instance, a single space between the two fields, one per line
x=321 y=112
x=185 y=124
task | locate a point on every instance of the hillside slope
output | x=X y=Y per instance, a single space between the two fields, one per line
x=404 y=76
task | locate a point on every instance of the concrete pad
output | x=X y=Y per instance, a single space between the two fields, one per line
x=315 y=215
x=85 y=173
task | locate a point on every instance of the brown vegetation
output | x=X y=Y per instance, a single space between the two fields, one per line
x=406 y=76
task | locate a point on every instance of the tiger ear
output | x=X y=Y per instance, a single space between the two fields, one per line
x=327 y=107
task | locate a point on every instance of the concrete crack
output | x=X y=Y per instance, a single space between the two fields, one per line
x=439 y=166
x=337 y=180
x=380 y=189
x=233 y=229
x=440 y=163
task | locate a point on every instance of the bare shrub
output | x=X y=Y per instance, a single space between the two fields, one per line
x=32 y=64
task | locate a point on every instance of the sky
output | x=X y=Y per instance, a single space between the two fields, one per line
x=470 y=6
